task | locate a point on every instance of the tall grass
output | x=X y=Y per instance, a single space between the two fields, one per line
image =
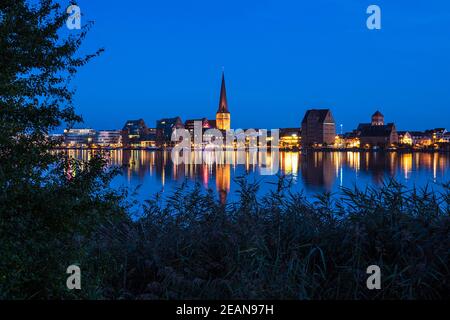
x=282 y=246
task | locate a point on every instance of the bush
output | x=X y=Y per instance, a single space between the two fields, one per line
x=285 y=247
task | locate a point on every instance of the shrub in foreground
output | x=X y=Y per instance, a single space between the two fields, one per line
x=283 y=246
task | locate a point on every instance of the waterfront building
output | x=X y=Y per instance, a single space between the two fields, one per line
x=405 y=138
x=223 y=118
x=421 y=139
x=340 y=141
x=148 y=140
x=376 y=133
x=189 y=124
x=318 y=128
x=436 y=134
x=378 y=136
x=79 y=137
x=133 y=131
x=446 y=137
x=351 y=139
x=205 y=125
x=212 y=123
x=290 y=138
x=164 y=129
x=108 y=138
x=135 y=128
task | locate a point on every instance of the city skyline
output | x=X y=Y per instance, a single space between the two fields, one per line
x=223 y=109
x=161 y=61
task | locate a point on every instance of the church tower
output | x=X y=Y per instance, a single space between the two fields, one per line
x=223 y=114
x=377 y=119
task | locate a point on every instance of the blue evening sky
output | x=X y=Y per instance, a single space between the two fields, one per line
x=281 y=57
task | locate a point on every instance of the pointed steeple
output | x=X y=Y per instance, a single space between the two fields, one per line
x=223 y=104
x=223 y=116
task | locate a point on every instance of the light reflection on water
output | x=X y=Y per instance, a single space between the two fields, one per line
x=312 y=172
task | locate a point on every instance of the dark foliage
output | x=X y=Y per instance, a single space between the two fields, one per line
x=48 y=205
x=285 y=247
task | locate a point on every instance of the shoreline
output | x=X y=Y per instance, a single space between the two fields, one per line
x=401 y=150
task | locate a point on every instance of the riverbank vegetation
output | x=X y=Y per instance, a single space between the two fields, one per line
x=283 y=246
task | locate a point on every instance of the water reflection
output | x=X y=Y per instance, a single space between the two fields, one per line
x=311 y=171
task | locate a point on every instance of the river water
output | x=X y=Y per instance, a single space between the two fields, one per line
x=310 y=172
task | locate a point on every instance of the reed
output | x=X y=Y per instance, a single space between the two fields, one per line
x=283 y=246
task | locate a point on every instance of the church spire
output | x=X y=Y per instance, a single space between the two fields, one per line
x=223 y=104
x=223 y=116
